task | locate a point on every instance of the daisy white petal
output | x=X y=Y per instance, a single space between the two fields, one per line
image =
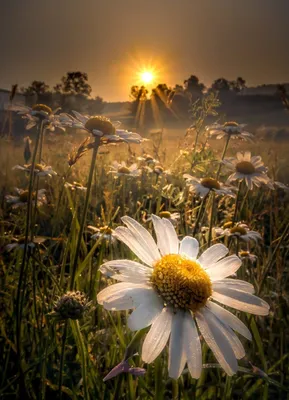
x=230 y=319
x=177 y=355
x=212 y=255
x=224 y=268
x=160 y=230
x=192 y=346
x=213 y=334
x=158 y=336
x=241 y=301
x=126 y=271
x=145 y=314
x=190 y=247
x=234 y=284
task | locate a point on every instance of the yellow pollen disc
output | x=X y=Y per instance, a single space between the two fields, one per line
x=101 y=124
x=123 y=170
x=238 y=229
x=244 y=253
x=42 y=107
x=231 y=123
x=228 y=224
x=76 y=184
x=182 y=283
x=165 y=214
x=158 y=169
x=24 y=196
x=148 y=157
x=210 y=183
x=245 y=167
x=105 y=229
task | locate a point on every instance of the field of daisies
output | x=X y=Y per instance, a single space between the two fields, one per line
x=135 y=267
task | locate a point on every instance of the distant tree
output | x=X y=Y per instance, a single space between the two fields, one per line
x=138 y=93
x=36 y=87
x=194 y=87
x=74 y=83
x=238 y=85
x=221 y=85
x=95 y=106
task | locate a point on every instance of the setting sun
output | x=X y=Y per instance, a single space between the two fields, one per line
x=147 y=77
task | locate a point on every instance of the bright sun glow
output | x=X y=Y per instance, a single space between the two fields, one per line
x=147 y=77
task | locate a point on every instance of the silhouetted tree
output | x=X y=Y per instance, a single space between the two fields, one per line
x=221 y=85
x=74 y=83
x=238 y=85
x=194 y=87
x=38 y=92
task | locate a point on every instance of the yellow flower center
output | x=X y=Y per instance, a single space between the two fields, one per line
x=182 y=283
x=100 y=123
x=105 y=229
x=238 y=229
x=165 y=214
x=148 y=157
x=228 y=224
x=37 y=167
x=42 y=107
x=245 y=167
x=24 y=196
x=158 y=169
x=76 y=184
x=123 y=170
x=210 y=183
x=244 y=253
x=231 y=123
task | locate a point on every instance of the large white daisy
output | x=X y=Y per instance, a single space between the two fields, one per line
x=175 y=291
x=102 y=127
x=248 y=168
x=39 y=170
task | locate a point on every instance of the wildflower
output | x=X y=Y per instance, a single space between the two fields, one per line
x=241 y=231
x=22 y=198
x=250 y=169
x=246 y=255
x=124 y=367
x=19 y=242
x=75 y=186
x=71 y=305
x=121 y=169
x=103 y=127
x=39 y=169
x=203 y=186
x=39 y=112
x=231 y=128
x=173 y=289
x=148 y=159
x=104 y=232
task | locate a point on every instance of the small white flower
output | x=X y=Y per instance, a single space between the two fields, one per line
x=148 y=159
x=121 y=169
x=246 y=255
x=75 y=186
x=20 y=242
x=104 y=232
x=240 y=231
x=39 y=112
x=203 y=186
x=232 y=129
x=39 y=170
x=22 y=198
x=175 y=291
x=174 y=218
x=251 y=169
x=102 y=127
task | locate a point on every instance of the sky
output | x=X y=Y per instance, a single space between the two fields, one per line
x=112 y=40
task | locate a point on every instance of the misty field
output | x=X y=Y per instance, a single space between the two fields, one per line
x=185 y=310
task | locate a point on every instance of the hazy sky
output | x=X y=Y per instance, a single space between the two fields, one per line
x=112 y=39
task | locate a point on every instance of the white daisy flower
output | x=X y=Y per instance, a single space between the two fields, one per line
x=246 y=255
x=22 y=198
x=148 y=159
x=231 y=128
x=240 y=231
x=102 y=127
x=39 y=112
x=251 y=169
x=39 y=169
x=175 y=291
x=121 y=169
x=203 y=186
x=105 y=232
x=75 y=186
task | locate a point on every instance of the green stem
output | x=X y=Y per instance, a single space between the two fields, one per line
x=211 y=219
x=81 y=347
x=81 y=229
x=62 y=360
x=223 y=156
x=25 y=250
x=200 y=213
x=237 y=202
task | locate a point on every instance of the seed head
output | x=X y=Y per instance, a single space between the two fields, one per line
x=101 y=124
x=71 y=305
x=42 y=108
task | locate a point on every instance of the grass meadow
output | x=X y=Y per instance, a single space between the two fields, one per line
x=56 y=250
